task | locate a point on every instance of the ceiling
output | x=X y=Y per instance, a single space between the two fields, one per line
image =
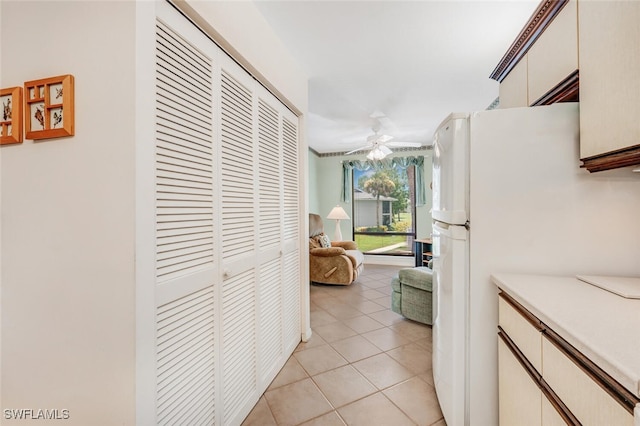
x=414 y=62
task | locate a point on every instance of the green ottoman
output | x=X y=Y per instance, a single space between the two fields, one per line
x=411 y=294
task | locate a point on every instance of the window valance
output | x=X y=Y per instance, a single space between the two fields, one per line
x=403 y=162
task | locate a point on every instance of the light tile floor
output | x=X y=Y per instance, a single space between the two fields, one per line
x=364 y=365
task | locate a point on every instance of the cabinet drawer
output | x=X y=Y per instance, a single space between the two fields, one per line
x=521 y=330
x=586 y=399
x=519 y=395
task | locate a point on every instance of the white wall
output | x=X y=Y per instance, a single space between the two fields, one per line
x=68 y=328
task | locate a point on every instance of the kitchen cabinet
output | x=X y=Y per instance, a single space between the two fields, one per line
x=554 y=55
x=541 y=66
x=582 y=50
x=520 y=398
x=587 y=398
x=564 y=384
x=609 y=84
x=513 y=89
x=524 y=396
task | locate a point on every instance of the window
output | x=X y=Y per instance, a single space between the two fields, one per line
x=384 y=209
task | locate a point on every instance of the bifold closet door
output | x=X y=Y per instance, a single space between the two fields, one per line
x=227 y=231
x=259 y=248
x=278 y=234
x=186 y=250
x=238 y=205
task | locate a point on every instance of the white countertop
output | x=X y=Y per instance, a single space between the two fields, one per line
x=603 y=326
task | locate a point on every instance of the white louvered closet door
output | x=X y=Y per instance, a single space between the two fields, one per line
x=185 y=246
x=278 y=288
x=238 y=206
x=291 y=230
x=227 y=231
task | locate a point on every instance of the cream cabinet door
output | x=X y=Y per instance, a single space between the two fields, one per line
x=520 y=398
x=554 y=56
x=524 y=334
x=550 y=416
x=584 y=397
x=513 y=89
x=609 y=69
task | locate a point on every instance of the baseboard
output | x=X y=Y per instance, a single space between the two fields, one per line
x=389 y=260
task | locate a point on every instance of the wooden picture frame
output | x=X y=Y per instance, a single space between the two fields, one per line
x=11 y=115
x=49 y=107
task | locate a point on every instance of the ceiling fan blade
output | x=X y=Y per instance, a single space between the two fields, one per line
x=385 y=150
x=358 y=149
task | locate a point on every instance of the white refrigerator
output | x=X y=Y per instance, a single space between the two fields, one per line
x=509 y=196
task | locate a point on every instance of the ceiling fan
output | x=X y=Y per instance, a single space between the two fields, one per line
x=379 y=144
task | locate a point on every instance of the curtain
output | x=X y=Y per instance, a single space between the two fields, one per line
x=403 y=162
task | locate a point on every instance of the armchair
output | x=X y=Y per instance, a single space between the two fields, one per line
x=341 y=263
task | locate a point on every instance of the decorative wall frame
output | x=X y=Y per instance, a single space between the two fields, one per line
x=11 y=116
x=45 y=102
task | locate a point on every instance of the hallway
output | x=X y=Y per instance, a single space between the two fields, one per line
x=364 y=365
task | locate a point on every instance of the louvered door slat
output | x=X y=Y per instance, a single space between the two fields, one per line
x=194 y=121
x=269 y=175
x=188 y=104
x=290 y=171
x=238 y=342
x=291 y=302
x=170 y=65
x=184 y=154
x=237 y=173
x=185 y=359
x=193 y=165
x=171 y=136
x=169 y=183
x=270 y=315
x=174 y=43
x=188 y=53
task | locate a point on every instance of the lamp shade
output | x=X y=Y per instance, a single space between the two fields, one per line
x=338 y=213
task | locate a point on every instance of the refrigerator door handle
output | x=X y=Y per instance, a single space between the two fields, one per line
x=457 y=232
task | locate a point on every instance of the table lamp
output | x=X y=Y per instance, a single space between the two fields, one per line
x=337 y=213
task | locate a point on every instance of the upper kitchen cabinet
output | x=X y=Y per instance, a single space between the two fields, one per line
x=541 y=66
x=554 y=56
x=513 y=89
x=584 y=50
x=609 y=83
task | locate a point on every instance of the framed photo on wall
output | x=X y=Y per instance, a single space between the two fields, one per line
x=11 y=118
x=49 y=107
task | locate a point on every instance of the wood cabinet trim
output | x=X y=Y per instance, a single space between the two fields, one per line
x=541 y=18
x=624 y=157
x=618 y=392
x=522 y=359
x=568 y=90
x=532 y=319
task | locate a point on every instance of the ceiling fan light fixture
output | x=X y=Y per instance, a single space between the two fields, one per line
x=377 y=153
